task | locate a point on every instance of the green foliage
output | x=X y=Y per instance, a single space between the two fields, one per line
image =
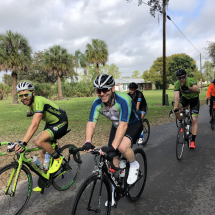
x=211 y=50
x=113 y=70
x=136 y=74
x=97 y=53
x=208 y=70
x=7 y=79
x=46 y=90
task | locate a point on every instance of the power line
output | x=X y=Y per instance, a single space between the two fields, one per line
x=178 y=29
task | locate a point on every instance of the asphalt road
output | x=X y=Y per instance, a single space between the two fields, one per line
x=185 y=187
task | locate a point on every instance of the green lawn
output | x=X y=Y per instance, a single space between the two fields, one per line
x=14 y=122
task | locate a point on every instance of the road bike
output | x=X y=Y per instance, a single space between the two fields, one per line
x=16 y=179
x=184 y=131
x=212 y=121
x=95 y=193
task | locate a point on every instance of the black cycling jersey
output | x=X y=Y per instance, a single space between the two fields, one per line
x=139 y=97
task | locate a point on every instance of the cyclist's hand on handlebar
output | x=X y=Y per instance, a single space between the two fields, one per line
x=87 y=146
x=20 y=146
x=107 y=149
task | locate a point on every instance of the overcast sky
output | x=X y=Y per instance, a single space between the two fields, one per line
x=133 y=36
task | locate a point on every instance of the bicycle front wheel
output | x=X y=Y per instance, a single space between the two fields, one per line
x=67 y=174
x=146 y=131
x=180 y=142
x=14 y=202
x=92 y=196
x=136 y=189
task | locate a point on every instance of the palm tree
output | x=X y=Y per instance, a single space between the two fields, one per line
x=15 y=55
x=82 y=61
x=97 y=53
x=58 y=63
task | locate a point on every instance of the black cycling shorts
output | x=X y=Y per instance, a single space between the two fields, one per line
x=58 y=129
x=194 y=104
x=133 y=132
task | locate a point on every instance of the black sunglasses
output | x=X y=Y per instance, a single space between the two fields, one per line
x=182 y=77
x=104 y=90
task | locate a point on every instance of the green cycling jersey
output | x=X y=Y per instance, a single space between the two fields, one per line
x=51 y=112
x=189 y=83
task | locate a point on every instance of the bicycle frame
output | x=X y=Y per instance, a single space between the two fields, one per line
x=22 y=159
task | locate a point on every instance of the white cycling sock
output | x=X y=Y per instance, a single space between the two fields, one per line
x=133 y=164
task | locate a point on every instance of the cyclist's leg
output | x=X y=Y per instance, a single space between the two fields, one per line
x=194 y=107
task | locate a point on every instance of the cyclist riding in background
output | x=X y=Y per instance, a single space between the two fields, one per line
x=211 y=95
x=126 y=122
x=56 y=124
x=190 y=96
x=139 y=100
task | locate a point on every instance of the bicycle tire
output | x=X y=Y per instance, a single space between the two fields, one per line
x=146 y=131
x=136 y=190
x=180 y=141
x=80 y=205
x=65 y=181
x=15 y=204
x=177 y=122
x=212 y=120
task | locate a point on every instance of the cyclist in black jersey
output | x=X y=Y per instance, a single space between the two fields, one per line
x=56 y=123
x=140 y=101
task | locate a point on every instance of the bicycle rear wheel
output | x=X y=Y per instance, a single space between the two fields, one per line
x=212 y=120
x=180 y=142
x=90 y=198
x=136 y=189
x=146 y=131
x=67 y=174
x=14 y=203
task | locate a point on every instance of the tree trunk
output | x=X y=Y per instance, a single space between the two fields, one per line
x=85 y=74
x=14 y=93
x=97 y=69
x=59 y=87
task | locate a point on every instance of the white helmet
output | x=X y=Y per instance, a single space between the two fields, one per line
x=104 y=81
x=24 y=86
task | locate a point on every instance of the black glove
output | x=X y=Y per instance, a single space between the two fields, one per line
x=184 y=88
x=108 y=149
x=87 y=146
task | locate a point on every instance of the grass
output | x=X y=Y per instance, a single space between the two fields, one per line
x=14 y=122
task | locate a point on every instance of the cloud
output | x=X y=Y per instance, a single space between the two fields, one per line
x=133 y=36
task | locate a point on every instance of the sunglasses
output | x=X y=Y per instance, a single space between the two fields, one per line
x=132 y=89
x=26 y=95
x=104 y=90
x=182 y=77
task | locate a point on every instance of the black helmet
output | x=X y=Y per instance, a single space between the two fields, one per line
x=133 y=85
x=180 y=72
x=104 y=81
x=213 y=81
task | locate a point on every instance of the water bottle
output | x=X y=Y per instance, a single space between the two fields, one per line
x=47 y=160
x=37 y=162
x=122 y=165
x=188 y=129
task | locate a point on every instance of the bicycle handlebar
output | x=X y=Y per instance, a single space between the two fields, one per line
x=5 y=143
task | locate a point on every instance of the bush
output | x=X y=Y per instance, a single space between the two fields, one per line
x=44 y=89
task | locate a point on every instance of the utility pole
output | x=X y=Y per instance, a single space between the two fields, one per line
x=201 y=69
x=164 y=52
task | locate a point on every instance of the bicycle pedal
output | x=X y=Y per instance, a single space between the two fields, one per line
x=42 y=191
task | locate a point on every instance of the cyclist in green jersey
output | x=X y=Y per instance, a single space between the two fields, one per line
x=56 y=124
x=190 y=96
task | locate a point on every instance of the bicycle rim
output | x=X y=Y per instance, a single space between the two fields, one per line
x=180 y=143
x=136 y=190
x=146 y=131
x=15 y=204
x=88 y=200
x=212 y=120
x=67 y=174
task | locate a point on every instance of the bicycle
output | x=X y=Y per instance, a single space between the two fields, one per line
x=96 y=189
x=184 y=131
x=212 y=114
x=146 y=131
x=16 y=179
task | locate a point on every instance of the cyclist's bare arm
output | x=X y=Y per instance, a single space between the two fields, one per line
x=90 y=130
x=177 y=98
x=120 y=132
x=194 y=89
x=33 y=127
x=138 y=105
